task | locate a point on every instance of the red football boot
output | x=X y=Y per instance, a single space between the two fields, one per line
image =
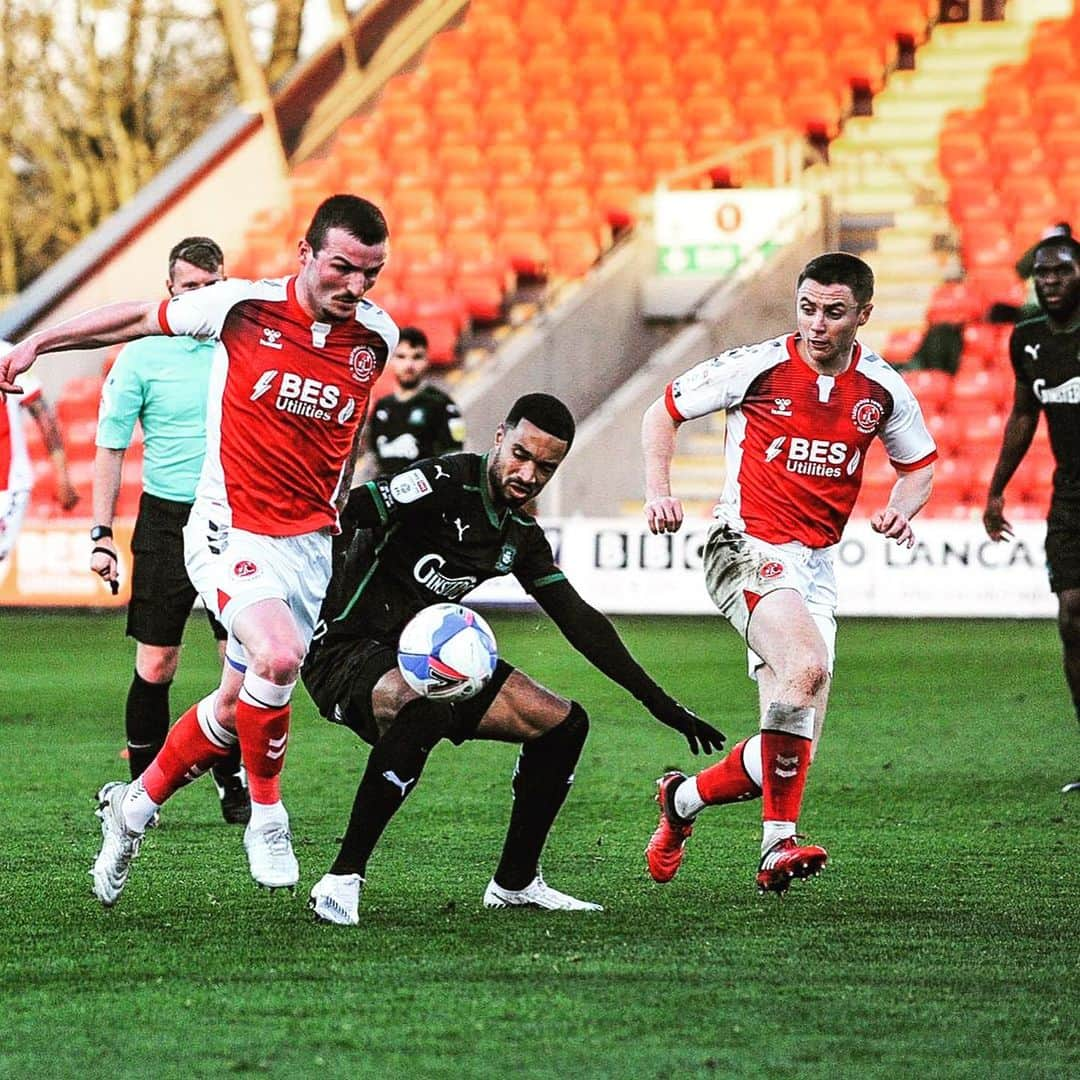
x=664 y=850
x=787 y=860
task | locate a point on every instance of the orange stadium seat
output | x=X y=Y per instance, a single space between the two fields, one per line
x=696 y=25
x=511 y=164
x=639 y=28
x=554 y=117
x=599 y=71
x=603 y=117
x=524 y=248
x=658 y=157
x=817 y=111
x=559 y=163
x=572 y=251
x=612 y=160
x=907 y=20
x=466 y=209
x=646 y=74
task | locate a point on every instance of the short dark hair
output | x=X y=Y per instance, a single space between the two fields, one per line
x=1051 y=243
x=200 y=251
x=414 y=336
x=840 y=268
x=547 y=413
x=358 y=217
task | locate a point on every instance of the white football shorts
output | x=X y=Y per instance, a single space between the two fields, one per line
x=232 y=569
x=740 y=569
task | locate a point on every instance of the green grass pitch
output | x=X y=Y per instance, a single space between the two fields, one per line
x=940 y=942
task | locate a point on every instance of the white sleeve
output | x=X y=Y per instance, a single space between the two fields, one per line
x=721 y=382
x=906 y=439
x=201 y=313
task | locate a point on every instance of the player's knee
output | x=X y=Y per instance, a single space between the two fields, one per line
x=812 y=677
x=568 y=736
x=279 y=663
x=427 y=719
x=156 y=665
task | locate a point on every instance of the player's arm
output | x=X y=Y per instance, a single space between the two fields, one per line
x=427 y=485
x=593 y=635
x=659 y=429
x=908 y=496
x=100 y=326
x=1019 y=431
x=45 y=418
x=108 y=470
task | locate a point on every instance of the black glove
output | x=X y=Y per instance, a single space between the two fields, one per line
x=668 y=711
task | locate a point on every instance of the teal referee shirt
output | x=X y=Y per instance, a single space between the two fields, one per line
x=161 y=382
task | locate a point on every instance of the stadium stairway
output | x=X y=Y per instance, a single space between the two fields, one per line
x=890 y=183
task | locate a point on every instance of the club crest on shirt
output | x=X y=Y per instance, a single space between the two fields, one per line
x=362 y=363
x=506 y=559
x=866 y=415
x=771 y=570
x=245 y=568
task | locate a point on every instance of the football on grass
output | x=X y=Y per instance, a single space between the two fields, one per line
x=447 y=651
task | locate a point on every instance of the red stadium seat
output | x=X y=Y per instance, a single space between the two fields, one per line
x=467 y=209
x=572 y=252
x=815 y=111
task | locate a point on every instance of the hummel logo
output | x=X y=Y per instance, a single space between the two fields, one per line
x=783 y=406
x=1033 y=350
x=402 y=785
x=460 y=529
x=263 y=383
x=270 y=338
x=775 y=447
x=787 y=767
x=440 y=472
x=276 y=747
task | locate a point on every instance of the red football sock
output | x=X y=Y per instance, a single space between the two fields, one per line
x=727 y=781
x=785 y=760
x=186 y=755
x=264 y=735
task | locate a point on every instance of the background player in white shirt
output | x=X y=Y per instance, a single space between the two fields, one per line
x=801 y=412
x=289 y=387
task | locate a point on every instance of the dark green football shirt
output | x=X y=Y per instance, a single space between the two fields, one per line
x=428 y=535
x=1048 y=362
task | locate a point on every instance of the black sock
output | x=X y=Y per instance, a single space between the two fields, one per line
x=542 y=779
x=146 y=720
x=393 y=769
x=227 y=767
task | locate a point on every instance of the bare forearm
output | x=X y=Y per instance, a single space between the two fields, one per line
x=658 y=432
x=108 y=468
x=1019 y=431
x=912 y=490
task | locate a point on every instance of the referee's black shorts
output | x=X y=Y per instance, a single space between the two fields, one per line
x=1063 y=545
x=161 y=593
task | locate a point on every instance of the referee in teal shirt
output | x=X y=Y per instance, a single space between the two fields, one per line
x=161 y=382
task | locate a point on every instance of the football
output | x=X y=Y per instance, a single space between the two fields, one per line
x=447 y=651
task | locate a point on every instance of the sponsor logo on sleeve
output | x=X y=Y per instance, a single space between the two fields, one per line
x=409 y=486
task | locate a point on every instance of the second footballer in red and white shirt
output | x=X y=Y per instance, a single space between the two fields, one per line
x=295 y=363
x=801 y=412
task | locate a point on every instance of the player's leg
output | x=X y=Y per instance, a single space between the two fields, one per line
x=1063 y=564
x=1069 y=629
x=146 y=710
x=403 y=729
x=228 y=774
x=793 y=687
x=552 y=732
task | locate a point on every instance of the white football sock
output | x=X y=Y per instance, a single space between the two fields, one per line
x=137 y=807
x=266 y=813
x=771 y=831
x=688 y=800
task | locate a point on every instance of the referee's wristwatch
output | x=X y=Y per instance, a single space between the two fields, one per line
x=101 y=532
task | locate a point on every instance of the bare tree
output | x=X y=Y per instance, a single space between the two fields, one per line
x=97 y=96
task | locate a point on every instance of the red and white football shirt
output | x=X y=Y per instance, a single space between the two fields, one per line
x=796 y=441
x=16 y=472
x=285 y=399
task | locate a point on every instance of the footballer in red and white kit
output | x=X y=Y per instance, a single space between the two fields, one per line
x=294 y=366
x=286 y=398
x=801 y=412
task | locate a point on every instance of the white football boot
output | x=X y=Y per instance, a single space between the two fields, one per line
x=537 y=894
x=270 y=856
x=336 y=899
x=119 y=845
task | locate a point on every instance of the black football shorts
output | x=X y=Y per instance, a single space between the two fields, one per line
x=1063 y=546
x=161 y=593
x=340 y=676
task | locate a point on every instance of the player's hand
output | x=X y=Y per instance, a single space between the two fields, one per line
x=893 y=524
x=104 y=563
x=663 y=514
x=994 y=521
x=404 y=446
x=67 y=495
x=13 y=364
x=699 y=734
